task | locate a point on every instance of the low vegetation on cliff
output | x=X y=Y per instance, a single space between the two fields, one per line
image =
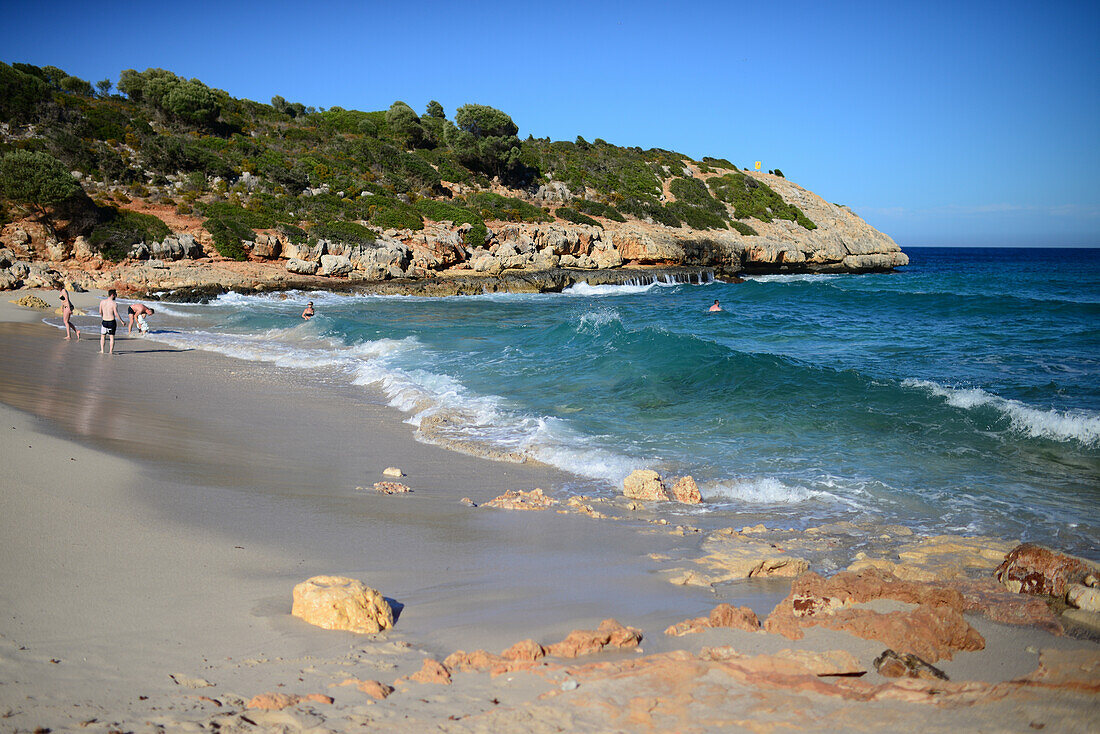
x=244 y=166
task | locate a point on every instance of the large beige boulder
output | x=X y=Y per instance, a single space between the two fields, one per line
x=645 y=484
x=340 y=603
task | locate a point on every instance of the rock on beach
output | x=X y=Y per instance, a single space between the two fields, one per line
x=340 y=603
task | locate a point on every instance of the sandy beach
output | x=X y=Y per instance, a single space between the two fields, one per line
x=158 y=506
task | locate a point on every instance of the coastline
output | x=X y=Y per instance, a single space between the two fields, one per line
x=191 y=507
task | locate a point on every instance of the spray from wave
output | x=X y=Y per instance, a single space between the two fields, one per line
x=1081 y=426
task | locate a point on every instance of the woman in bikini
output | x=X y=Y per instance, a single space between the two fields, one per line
x=67 y=312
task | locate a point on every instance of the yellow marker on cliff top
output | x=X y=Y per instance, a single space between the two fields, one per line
x=758 y=165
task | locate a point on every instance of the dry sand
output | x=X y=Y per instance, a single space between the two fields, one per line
x=157 y=507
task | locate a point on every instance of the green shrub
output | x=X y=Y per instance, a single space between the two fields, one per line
x=505 y=208
x=753 y=198
x=572 y=215
x=294 y=233
x=697 y=217
x=743 y=228
x=349 y=233
x=476 y=235
x=443 y=211
x=228 y=235
x=119 y=229
x=258 y=216
x=598 y=209
x=392 y=214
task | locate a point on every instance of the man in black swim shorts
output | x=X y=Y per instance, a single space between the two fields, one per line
x=108 y=311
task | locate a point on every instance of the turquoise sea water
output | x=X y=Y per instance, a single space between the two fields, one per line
x=960 y=394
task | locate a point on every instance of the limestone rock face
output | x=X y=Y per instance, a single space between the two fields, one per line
x=301 y=267
x=739 y=557
x=1033 y=569
x=940 y=557
x=340 y=603
x=645 y=484
x=267 y=247
x=334 y=265
x=934 y=630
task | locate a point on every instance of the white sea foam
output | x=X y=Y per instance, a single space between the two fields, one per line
x=794 y=277
x=485 y=419
x=1082 y=426
x=584 y=289
x=599 y=317
x=763 y=490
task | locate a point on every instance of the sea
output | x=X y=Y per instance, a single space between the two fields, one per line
x=960 y=394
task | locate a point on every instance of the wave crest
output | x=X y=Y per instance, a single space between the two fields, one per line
x=1081 y=426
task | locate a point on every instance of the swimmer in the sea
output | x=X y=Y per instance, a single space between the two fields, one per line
x=308 y=313
x=715 y=307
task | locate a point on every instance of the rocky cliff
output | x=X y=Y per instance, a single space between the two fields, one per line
x=514 y=256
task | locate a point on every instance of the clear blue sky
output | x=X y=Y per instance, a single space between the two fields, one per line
x=941 y=123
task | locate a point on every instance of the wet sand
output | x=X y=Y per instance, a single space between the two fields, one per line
x=158 y=506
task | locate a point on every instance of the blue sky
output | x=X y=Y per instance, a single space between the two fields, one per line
x=948 y=123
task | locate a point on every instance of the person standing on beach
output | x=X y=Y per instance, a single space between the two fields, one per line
x=308 y=313
x=66 y=313
x=108 y=312
x=137 y=312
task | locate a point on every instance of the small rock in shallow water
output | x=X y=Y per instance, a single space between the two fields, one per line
x=893 y=665
x=391 y=488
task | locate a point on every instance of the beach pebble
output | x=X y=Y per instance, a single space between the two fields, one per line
x=569 y=685
x=468 y=502
x=392 y=471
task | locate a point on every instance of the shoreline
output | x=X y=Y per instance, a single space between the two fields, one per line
x=192 y=507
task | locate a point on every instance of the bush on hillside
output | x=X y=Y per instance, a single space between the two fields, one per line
x=495 y=206
x=120 y=229
x=597 y=208
x=572 y=215
x=349 y=233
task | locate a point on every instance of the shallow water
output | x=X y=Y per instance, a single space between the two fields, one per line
x=961 y=394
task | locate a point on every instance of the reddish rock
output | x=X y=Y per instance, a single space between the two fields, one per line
x=520 y=500
x=316 y=698
x=374 y=689
x=525 y=650
x=583 y=642
x=989 y=598
x=273 y=701
x=432 y=672
x=739 y=618
x=892 y=665
x=472 y=661
x=935 y=630
x=723 y=615
x=1033 y=569
x=687 y=491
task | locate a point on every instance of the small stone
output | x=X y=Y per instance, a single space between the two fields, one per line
x=645 y=484
x=892 y=665
x=391 y=488
x=392 y=471
x=569 y=685
x=468 y=502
